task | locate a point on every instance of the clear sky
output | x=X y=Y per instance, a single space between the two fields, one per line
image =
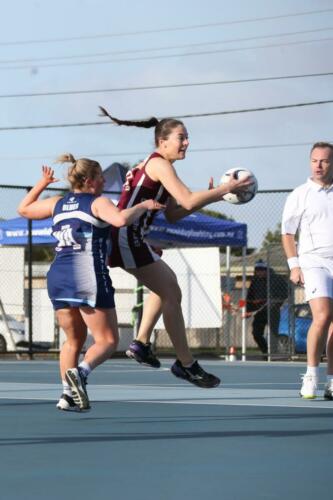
x=83 y=45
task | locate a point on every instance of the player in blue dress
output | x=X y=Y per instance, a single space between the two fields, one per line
x=78 y=281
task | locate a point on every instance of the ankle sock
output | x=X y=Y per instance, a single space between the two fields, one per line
x=313 y=370
x=85 y=367
x=66 y=389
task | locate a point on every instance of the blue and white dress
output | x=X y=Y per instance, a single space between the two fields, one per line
x=79 y=276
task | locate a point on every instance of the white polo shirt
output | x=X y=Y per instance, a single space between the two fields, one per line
x=309 y=210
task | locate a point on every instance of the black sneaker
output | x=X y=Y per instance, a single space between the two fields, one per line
x=142 y=353
x=328 y=393
x=195 y=374
x=66 y=403
x=77 y=382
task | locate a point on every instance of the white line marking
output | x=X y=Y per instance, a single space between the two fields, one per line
x=176 y=394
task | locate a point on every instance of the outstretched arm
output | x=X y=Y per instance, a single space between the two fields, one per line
x=175 y=212
x=33 y=208
x=163 y=171
x=104 y=209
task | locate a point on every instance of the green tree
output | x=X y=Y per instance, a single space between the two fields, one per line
x=272 y=238
x=213 y=213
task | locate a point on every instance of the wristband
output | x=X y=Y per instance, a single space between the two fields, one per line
x=293 y=262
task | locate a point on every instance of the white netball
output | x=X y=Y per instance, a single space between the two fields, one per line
x=248 y=193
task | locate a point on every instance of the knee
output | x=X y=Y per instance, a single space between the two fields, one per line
x=257 y=334
x=75 y=344
x=174 y=294
x=109 y=341
x=322 y=320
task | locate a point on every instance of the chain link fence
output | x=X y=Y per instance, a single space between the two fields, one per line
x=214 y=284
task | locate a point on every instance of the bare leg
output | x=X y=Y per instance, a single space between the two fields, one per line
x=162 y=281
x=104 y=328
x=151 y=312
x=321 y=309
x=329 y=351
x=70 y=320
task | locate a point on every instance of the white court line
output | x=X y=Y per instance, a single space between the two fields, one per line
x=179 y=394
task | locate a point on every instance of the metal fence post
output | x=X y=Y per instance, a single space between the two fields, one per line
x=29 y=255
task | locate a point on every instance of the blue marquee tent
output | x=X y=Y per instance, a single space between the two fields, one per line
x=15 y=232
x=197 y=230
x=194 y=230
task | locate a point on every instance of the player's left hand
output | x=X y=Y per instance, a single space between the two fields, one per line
x=153 y=205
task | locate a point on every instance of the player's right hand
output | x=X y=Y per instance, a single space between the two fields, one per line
x=296 y=276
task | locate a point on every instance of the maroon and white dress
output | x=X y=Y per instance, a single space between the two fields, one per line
x=128 y=246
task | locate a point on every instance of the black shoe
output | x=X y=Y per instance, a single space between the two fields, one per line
x=77 y=382
x=328 y=393
x=66 y=403
x=142 y=353
x=195 y=375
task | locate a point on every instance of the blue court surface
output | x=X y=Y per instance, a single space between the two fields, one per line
x=152 y=436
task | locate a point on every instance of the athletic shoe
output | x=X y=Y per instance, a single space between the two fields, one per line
x=66 y=403
x=309 y=387
x=77 y=382
x=328 y=393
x=142 y=353
x=195 y=375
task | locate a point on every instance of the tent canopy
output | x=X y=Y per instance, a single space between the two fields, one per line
x=197 y=230
x=194 y=230
x=16 y=231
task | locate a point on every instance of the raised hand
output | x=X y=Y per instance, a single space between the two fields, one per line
x=48 y=175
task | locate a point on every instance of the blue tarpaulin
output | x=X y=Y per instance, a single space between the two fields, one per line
x=15 y=232
x=197 y=230
x=194 y=230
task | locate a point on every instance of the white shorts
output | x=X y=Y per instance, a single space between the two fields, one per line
x=318 y=276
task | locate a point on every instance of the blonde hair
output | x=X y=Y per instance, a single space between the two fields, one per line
x=80 y=170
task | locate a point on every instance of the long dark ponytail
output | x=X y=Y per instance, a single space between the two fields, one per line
x=163 y=127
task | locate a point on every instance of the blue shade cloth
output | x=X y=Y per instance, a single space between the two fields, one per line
x=194 y=230
x=15 y=232
x=197 y=230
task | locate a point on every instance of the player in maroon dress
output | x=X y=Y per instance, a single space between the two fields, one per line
x=157 y=178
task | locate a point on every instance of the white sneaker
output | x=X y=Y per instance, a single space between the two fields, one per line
x=77 y=382
x=66 y=403
x=309 y=387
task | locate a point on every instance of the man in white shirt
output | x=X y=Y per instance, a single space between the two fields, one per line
x=308 y=211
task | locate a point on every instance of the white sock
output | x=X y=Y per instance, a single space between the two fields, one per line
x=66 y=389
x=85 y=368
x=313 y=370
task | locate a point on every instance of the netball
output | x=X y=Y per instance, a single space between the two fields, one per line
x=247 y=194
